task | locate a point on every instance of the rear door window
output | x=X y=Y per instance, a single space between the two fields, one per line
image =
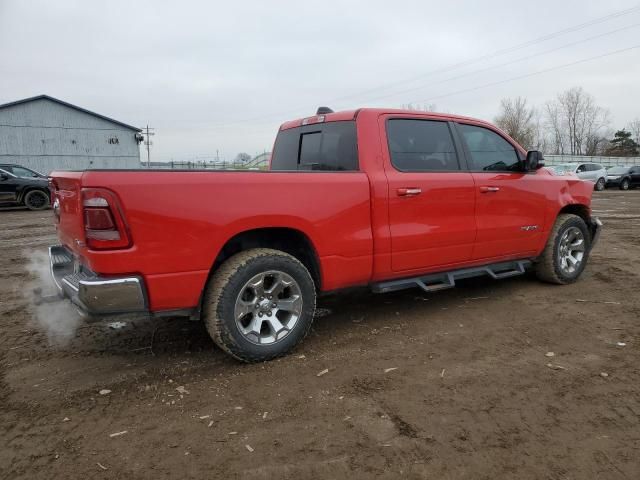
x=421 y=145
x=488 y=151
x=328 y=146
x=24 y=172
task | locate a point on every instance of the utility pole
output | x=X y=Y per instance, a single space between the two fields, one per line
x=148 y=143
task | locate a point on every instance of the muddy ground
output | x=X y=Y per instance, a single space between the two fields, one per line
x=472 y=393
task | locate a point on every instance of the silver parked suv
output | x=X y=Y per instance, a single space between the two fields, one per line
x=586 y=171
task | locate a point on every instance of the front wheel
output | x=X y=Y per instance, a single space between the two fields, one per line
x=624 y=185
x=565 y=255
x=600 y=184
x=259 y=304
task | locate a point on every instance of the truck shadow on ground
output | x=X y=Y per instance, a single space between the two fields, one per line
x=342 y=313
x=349 y=324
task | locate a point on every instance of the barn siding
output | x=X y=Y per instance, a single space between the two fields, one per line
x=45 y=135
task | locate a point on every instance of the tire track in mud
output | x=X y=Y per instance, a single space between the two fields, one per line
x=497 y=411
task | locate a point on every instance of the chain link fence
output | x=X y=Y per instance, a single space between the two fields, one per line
x=602 y=160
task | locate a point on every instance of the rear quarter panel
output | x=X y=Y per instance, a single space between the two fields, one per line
x=179 y=221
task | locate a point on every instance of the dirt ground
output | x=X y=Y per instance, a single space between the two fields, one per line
x=445 y=386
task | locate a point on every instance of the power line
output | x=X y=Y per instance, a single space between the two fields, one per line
x=510 y=62
x=503 y=51
x=539 y=72
x=471 y=61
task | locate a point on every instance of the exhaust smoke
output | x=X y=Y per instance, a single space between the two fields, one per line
x=57 y=318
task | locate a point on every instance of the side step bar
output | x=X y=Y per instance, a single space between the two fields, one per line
x=440 y=281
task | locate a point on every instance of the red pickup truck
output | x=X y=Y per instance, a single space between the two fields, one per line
x=385 y=198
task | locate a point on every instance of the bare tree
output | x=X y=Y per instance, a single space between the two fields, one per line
x=634 y=128
x=242 y=158
x=540 y=141
x=553 y=124
x=576 y=122
x=596 y=143
x=516 y=119
x=431 y=107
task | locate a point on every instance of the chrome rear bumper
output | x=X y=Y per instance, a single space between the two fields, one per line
x=93 y=294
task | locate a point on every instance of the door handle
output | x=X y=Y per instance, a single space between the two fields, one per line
x=408 y=192
x=489 y=189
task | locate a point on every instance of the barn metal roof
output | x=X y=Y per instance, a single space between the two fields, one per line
x=75 y=107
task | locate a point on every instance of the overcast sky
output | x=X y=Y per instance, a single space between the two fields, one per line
x=222 y=75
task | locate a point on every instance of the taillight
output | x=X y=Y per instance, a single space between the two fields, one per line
x=98 y=219
x=104 y=223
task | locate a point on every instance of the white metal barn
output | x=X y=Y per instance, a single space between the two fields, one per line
x=45 y=134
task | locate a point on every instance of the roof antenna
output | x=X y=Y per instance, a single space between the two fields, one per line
x=323 y=110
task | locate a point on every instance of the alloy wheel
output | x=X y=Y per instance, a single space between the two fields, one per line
x=36 y=200
x=268 y=307
x=571 y=250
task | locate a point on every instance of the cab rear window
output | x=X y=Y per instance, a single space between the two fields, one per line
x=328 y=146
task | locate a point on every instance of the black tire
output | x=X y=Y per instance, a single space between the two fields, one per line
x=36 y=200
x=600 y=184
x=548 y=265
x=228 y=282
x=624 y=185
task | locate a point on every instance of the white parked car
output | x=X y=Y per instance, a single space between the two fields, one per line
x=593 y=172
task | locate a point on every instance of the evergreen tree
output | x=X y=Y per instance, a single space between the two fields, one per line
x=622 y=145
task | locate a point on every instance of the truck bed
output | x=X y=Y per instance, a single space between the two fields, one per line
x=180 y=220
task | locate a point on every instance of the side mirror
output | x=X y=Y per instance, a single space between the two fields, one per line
x=534 y=161
x=4 y=176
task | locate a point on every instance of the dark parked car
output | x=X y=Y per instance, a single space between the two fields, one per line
x=623 y=177
x=23 y=186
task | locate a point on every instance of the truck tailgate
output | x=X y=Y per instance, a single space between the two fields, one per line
x=67 y=208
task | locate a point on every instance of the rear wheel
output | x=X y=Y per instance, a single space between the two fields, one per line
x=600 y=184
x=259 y=304
x=565 y=255
x=36 y=200
x=624 y=185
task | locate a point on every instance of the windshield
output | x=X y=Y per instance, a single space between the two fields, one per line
x=618 y=170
